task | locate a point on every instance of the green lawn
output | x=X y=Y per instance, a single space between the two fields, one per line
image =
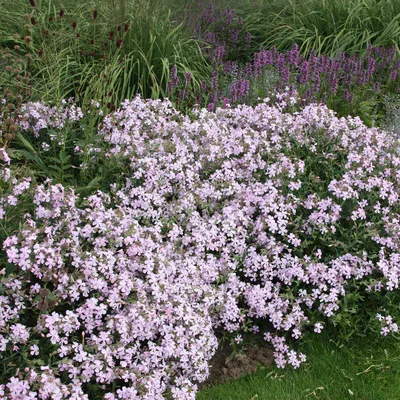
x=360 y=370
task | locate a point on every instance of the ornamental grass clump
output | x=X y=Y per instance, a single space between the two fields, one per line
x=327 y=27
x=245 y=219
x=106 y=53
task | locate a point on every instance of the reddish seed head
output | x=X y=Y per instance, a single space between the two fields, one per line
x=126 y=27
x=92 y=41
x=91 y=54
x=50 y=19
x=119 y=27
x=105 y=44
x=62 y=13
x=33 y=21
x=40 y=52
x=119 y=43
x=74 y=24
x=112 y=33
x=95 y=13
x=78 y=35
x=32 y=2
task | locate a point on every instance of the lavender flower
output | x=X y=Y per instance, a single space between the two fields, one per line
x=144 y=276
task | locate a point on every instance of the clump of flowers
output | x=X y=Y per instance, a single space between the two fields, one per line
x=38 y=116
x=246 y=217
x=350 y=84
x=388 y=326
x=135 y=305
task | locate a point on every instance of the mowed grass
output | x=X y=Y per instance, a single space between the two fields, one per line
x=361 y=369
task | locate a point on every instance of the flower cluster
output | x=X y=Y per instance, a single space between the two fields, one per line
x=321 y=75
x=138 y=311
x=246 y=216
x=241 y=77
x=38 y=116
x=387 y=324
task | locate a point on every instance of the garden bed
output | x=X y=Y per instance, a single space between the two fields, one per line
x=169 y=190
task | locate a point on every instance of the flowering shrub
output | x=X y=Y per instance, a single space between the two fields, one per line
x=246 y=218
x=117 y=302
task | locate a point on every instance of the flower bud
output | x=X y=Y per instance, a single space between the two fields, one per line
x=13 y=128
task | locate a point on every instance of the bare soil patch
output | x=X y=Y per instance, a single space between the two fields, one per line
x=225 y=366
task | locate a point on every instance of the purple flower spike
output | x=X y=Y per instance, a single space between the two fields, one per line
x=304 y=72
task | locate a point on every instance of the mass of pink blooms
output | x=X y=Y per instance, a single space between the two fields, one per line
x=224 y=225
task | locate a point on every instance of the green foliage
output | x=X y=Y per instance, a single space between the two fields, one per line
x=109 y=54
x=327 y=26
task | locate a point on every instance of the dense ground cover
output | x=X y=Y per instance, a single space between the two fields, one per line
x=247 y=218
x=137 y=233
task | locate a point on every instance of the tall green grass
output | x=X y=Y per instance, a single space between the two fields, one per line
x=146 y=42
x=326 y=26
